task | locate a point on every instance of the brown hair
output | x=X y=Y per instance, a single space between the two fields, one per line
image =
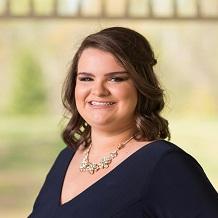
x=134 y=52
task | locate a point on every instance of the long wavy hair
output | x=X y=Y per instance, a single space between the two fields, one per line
x=134 y=53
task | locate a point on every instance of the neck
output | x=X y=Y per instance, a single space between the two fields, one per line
x=104 y=142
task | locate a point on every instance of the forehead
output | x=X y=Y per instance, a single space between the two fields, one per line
x=96 y=58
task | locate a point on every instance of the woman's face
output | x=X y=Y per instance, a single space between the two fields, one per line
x=105 y=94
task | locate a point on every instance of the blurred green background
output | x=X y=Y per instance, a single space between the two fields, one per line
x=35 y=56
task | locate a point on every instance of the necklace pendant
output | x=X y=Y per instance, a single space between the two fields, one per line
x=91 y=171
x=105 y=162
x=113 y=154
x=86 y=165
x=92 y=168
x=106 y=166
x=83 y=165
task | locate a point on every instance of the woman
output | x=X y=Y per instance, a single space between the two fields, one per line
x=117 y=162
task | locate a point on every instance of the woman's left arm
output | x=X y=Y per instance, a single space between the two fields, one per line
x=180 y=188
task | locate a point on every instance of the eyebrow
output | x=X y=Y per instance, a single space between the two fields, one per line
x=107 y=74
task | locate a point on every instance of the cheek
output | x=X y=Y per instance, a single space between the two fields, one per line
x=77 y=94
x=127 y=95
x=80 y=92
x=80 y=95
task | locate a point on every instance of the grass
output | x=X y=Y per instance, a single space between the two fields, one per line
x=29 y=146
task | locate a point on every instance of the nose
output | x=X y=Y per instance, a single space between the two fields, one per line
x=99 y=89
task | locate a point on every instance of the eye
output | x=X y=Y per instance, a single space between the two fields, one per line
x=85 y=79
x=118 y=79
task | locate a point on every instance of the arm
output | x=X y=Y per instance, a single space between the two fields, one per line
x=180 y=188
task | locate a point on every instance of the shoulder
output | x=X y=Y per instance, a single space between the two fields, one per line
x=65 y=152
x=173 y=168
x=162 y=147
x=154 y=152
x=163 y=153
x=172 y=160
x=178 y=184
x=64 y=155
x=53 y=176
x=61 y=161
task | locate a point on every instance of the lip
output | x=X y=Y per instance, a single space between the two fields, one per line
x=101 y=104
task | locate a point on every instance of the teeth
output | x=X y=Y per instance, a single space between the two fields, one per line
x=101 y=103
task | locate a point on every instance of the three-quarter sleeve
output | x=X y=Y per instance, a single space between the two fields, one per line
x=179 y=188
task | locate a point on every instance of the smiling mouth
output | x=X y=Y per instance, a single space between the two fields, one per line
x=101 y=103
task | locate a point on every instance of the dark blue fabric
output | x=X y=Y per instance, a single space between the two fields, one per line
x=160 y=180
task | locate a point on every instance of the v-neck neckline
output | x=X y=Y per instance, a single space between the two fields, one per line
x=99 y=181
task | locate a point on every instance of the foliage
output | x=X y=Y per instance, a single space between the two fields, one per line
x=29 y=94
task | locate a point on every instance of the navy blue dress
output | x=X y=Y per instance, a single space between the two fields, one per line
x=159 y=180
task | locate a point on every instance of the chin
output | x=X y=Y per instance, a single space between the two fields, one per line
x=98 y=123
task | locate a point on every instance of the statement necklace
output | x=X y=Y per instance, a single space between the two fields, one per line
x=85 y=165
